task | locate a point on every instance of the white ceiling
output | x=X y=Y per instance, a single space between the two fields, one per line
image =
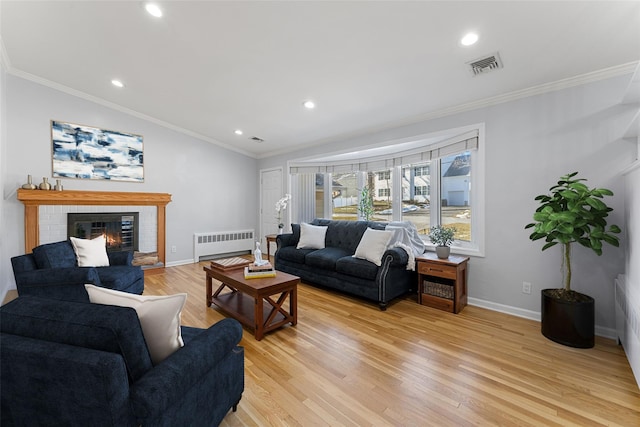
x=210 y=67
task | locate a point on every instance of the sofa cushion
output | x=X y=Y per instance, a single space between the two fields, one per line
x=290 y=253
x=311 y=236
x=55 y=255
x=325 y=258
x=119 y=277
x=373 y=244
x=159 y=317
x=99 y=327
x=357 y=267
x=90 y=252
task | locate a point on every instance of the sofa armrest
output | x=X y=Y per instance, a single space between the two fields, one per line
x=169 y=381
x=286 y=239
x=399 y=257
x=57 y=283
x=120 y=258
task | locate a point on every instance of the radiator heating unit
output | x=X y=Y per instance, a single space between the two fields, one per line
x=218 y=244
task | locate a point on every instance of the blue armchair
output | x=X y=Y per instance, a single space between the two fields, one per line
x=52 y=271
x=72 y=363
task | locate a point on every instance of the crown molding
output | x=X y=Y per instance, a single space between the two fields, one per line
x=120 y=108
x=569 y=82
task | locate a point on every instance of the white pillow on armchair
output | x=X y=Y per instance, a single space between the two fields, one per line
x=91 y=253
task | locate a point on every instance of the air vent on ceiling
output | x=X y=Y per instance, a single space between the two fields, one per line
x=256 y=139
x=485 y=64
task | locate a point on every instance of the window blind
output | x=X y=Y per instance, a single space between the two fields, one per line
x=458 y=144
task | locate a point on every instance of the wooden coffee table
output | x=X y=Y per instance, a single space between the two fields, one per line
x=256 y=303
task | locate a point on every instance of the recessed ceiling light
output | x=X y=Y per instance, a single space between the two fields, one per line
x=117 y=83
x=469 y=39
x=238 y=132
x=153 y=9
x=309 y=105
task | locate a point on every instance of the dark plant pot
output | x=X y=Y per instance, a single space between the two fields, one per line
x=571 y=323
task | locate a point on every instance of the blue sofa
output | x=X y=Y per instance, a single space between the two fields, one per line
x=82 y=364
x=52 y=270
x=334 y=266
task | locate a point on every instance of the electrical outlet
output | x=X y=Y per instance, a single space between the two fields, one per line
x=526 y=288
x=174 y=249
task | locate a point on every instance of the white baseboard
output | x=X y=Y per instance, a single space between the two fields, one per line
x=600 y=331
x=181 y=262
x=520 y=312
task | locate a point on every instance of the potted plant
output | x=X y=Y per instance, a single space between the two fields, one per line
x=281 y=206
x=571 y=213
x=442 y=237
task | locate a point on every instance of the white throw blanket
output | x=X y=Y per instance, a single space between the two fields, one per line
x=406 y=237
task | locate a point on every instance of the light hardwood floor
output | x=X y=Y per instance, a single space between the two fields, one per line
x=347 y=363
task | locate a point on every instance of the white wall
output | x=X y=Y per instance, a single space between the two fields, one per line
x=530 y=142
x=212 y=188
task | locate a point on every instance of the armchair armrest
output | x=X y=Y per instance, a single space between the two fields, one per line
x=23 y=263
x=120 y=258
x=57 y=283
x=169 y=381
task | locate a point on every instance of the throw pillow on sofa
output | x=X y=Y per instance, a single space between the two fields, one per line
x=159 y=317
x=373 y=245
x=91 y=253
x=311 y=236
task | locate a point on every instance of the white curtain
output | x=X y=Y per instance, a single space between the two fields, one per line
x=303 y=189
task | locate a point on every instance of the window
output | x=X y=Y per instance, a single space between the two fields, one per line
x=319 y=196
x=383 y=175
x=455 y=209
x=421 y=170
x=344 y=196
x=426 y=180
x=422 y=190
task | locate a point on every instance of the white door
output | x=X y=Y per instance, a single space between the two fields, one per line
x=270 y=192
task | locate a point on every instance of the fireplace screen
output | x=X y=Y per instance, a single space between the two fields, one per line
x=120 y=229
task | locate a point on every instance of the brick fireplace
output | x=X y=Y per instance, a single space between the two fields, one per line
x=45 y=214
x=120 y=229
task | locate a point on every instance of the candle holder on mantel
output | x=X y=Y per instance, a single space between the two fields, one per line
x=44 y=185
x=29 y=185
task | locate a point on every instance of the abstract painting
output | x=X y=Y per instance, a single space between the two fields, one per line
x=87 y=152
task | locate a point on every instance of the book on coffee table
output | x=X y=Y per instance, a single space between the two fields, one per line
x=262 y=267
x=258 y=274
x=230 y=263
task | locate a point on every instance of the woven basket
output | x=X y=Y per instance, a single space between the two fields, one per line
x=438 y=289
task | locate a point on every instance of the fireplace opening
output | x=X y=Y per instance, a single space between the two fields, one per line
x=119 y=228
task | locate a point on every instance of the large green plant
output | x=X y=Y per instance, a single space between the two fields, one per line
x=573 y=213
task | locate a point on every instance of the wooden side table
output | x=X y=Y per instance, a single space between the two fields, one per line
x=442 y=283
x=270 y=238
